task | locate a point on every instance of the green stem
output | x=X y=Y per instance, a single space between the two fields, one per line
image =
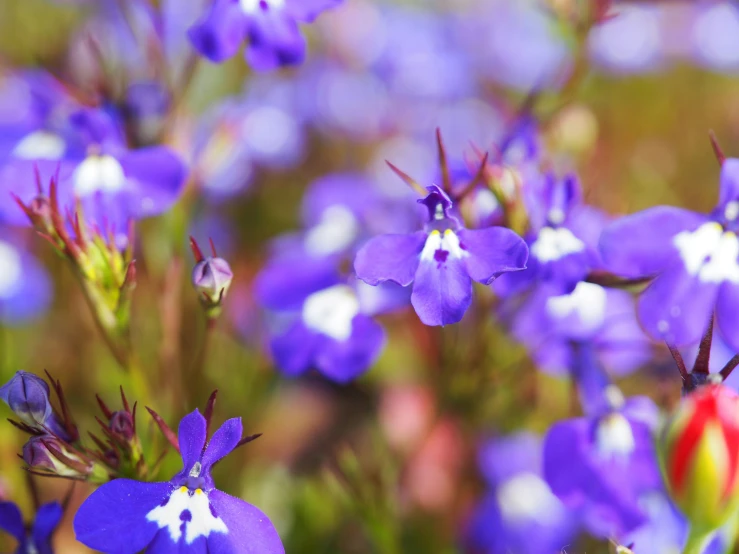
x=729 y=532
x=697 y=541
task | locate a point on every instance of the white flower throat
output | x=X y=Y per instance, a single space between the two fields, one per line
x=252 y=6
x=709 y=253
x=553 y=244
x=441 y=247
x=98 y=173
x=187 y=515
x=331 y=311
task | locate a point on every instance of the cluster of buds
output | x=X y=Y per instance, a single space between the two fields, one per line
x=700 y=454
x=55 y=448
x=211 y=278
x=105 y=270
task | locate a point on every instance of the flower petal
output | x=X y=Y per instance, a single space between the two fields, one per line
x=285 y=284
x=390 y=258
x=163 y=544
x=641 y=244
x=343 y=361
x=442 y=292
x=249 y=530
x=293 y=351
x=220 y=32
x=47 y=520
x=113 y=518
x=676 y=306
x=492 y=252
x=307 y=10
x=729 y=183
x=223 y=441
x=192 y=436
x=727 y=313
x=11 y=520
x=274 y=41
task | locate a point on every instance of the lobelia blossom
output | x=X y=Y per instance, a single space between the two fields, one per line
x=519 y=512
x=441 y=261
x=603 y=464
x=270 y=27
x=695 y=259
x=700 y=452
x=186 y=514
x=36 y=538
x=25 y=287
x=211 y=278
x=324 y=323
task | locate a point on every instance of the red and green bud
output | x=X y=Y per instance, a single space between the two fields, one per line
x=700 y=456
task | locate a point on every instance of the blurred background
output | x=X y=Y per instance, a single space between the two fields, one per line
x=387 y=463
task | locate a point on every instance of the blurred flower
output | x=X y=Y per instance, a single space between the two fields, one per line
x=87 y=153
x=441 y=261
x=187 y=513
x=519 y=513
x=715 y=35
x=695 y=258
x=29 y=398
x=601 y=465
x=321 y=321
x=700 y=447
x=25 y=287
x=590 y=325
x=269 y=26
x=37 y=538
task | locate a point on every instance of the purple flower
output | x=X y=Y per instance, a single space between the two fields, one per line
x=323 y=321
x=25 y=287
x=592 y=321
x=519 y=513
x=269 y=26
x=695 y=258
x=94 y=165
x=185 y=514
x=441 y=261
x=37 y=538
x=29 y=398
x=602 y=464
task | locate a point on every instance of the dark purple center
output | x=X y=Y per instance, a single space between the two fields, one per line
x=441 y=255
x=264 y=5
x=186 y=515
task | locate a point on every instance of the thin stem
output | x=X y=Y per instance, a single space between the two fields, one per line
x=198 y=369
x=697 y=541
x=704 y=350
x=680 y=362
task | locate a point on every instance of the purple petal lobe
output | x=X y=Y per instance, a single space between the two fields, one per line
x=274 y=41
x=46 y=521
x=222 y=442
x=390 y=258
x=343 y=361
x=727 y=313
x=729 y=188
x=676 y=306
x=307 y=10
x=220 y=32
x=294 y=350
x=11 y=520
x=113 y=518
x=249 y=530
x=192 y=438
x=442 y=292
x=492 y=252
x=641 y=244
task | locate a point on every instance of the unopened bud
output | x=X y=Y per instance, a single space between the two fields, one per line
x=47 y=453
x=28 y=397
x=121 y=424
x=211 y=277
x=700 y=450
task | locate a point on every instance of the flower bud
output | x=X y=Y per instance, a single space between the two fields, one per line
x=700 y=451
x=211 y=277
x=121 y=424
x=49 y=454
x=28 y=397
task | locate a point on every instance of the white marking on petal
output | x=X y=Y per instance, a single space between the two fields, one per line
x=11 y=269
x=448 y=242
x=42 y=145
x=553 y=244
x=709 y=253
x=614 y=437
x=98 y=173
x=731 y=212
x=201 y=523
x=331 y=311
x=252 y=6
x=588 y=301
x=525 y=498
x=336 y=231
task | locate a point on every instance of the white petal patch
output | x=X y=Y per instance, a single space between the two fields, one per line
x=181 y=505
x=251 y=6
x=588 y=301
x=614 y=437
x=11 y=269
x=553 y=244
x=40 y=145
x=709 y=253
x=331 y=311
x=336 y=231
x=447 y=243
x=525 y=498
x=98 y=173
